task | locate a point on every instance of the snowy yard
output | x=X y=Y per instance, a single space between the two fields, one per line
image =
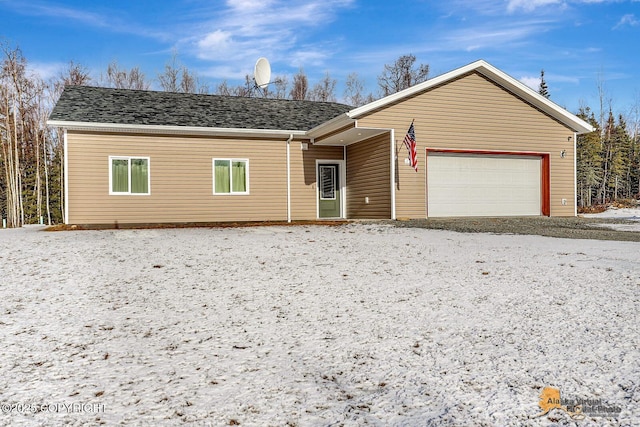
x=629 y=214
x=314 y=326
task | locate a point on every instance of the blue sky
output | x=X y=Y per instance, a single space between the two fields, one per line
x=576 y=42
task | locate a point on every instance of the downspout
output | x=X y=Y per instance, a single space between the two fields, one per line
x=289 y=177
x=575 y=174
x=66 y=176
x=393 y=175
x=343 y=172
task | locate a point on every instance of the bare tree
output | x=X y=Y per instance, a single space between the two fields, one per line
x=248 y=89
x=300 y=86
x=169 y=79
x=324 y=90
x=125 y=79
x=245 y=90
x=223 y=89
x=401 y=75
x=189 y=82
x=177 y=78
x=606 y=128
x=74 y=75
x=36 y=117
x=203 y=89
x=12 y=88
x=43 y=113
x=281 y=84
x=354 y=91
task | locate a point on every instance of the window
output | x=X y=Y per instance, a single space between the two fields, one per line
x=328 y=182
x=230 y=176
x=129 y=175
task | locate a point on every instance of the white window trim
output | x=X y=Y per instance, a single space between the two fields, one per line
x=129 y=193
x=231 y=192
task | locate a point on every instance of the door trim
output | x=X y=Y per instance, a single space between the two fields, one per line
x=343 y=181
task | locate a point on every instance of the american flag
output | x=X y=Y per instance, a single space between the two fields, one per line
x=410 y=143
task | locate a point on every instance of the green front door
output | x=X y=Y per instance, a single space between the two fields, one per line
x=329 y=191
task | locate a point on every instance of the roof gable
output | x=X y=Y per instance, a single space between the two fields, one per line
x=96 y=105
x=502 y=79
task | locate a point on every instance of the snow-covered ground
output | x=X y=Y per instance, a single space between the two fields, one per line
x=314 y=326
x=629 y=214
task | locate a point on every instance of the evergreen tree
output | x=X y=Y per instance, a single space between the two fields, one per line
x=588 y=160
x=622 y=159
x=543 y=89
x=634 y=168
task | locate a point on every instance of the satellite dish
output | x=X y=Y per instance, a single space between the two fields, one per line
x=262 y=73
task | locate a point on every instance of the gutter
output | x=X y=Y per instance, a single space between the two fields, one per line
x=177 y=130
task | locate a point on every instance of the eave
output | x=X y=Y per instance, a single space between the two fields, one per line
x=341 y=131
x=177 y=130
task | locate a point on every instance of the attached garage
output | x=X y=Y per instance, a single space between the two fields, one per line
x=486 y=184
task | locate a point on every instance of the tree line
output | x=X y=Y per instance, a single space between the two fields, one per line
x=607 y=159
x=32 y=153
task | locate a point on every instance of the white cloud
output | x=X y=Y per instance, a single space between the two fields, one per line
x=247 y=29
x=531 y=5
x=45 y=70
x=494 y=35
x=528 y=5
x=303 y=58
x=218 y=40
x=532 y=82
x=628 y=19
x=109 y=21
x=249 y=5
x=43 y=9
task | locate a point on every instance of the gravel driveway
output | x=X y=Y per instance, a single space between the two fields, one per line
x=571 y=228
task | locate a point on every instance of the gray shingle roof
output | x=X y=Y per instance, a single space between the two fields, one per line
x=135 y=107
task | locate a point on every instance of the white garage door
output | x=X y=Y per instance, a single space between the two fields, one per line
x=482 y=185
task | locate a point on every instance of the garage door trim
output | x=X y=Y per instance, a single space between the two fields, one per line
x=545 y=203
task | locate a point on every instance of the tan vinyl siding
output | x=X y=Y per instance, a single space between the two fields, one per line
x=369 y=175
x=473 y=113
x=181 y=180
x=303 y=177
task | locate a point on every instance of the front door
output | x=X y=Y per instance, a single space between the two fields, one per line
x=329 y=191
